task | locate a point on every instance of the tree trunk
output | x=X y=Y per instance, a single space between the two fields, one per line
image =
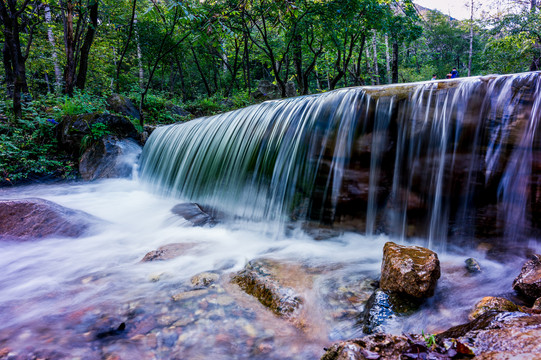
x=12 y=54
x=470 y=55
x=8 y=70
x=69 y=45
x=395 y=62
x=376 y=67
x=139 y=56
x=130 y=32
x=50 y=36
x=87 y=43
x=203 y=77
x=387 y=59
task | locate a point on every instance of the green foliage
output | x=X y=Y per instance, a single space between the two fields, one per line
x=83 y=103
x=28 y=149
x=429 y=339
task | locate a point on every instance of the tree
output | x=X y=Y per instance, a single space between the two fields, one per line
x=17 y=19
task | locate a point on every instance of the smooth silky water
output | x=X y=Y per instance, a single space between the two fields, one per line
x=278 y=176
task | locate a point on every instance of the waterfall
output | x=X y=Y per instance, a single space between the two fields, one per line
x=440 y=159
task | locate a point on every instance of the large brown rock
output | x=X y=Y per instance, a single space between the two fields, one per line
x=28 y=219
x=410 y=270
x=109 y=157
x=529 y=280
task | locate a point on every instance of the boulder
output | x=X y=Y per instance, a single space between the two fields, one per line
x=194 y=214
x=205 y=279
x=528 y=282
x=73 y=129
x=291 y=90
x=122 y=105
x=109 y=157
x=489 y=303
x=167 y=252
x=260 y=278
x=409 y=270
x=34 y=218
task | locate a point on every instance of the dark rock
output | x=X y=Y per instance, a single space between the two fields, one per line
x=28 y=219
x=109 y=157
x=259 y=279
x=472 y=266
x=194 y=214
x=381 y=308
x=266 y=91
x=167 y=252
x=528 y=282
x=123 y=105
x=410 y=270
x=489 y=303
x=291 y=90
x=73 y=129
x=177 y=110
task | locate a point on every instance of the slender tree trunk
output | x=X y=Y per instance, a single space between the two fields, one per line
x=395 y=62
x=130 y=32
x=536 y=62
x=139 y=55
x=203 y=77
x=387 y=59
x=87 y=43
x=52 y=41
x=376 y=67
x=369 y=66
x=470 y=55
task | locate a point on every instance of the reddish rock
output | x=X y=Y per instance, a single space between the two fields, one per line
x=529 y=280
x=35 y=218
x=410 y=270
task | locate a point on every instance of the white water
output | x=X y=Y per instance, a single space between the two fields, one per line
x=57 y=293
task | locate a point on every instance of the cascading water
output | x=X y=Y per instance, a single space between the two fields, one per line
x=430 y=160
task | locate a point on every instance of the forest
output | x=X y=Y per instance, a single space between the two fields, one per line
x=65 y=57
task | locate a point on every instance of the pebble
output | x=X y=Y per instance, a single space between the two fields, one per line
x=188 y=294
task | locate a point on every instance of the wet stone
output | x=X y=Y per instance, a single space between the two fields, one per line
x=490 y=303
x=472 y=266
x=205 y=279
x=167 y=252
x=410 y=270
x=189 y=294
x=528 y=282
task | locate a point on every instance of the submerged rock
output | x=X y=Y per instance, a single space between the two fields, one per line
x=489 y=303
x=167 y=252
x=36 y=218
x=194 y=214
x=410 y=270
x=204 y=279
x=109 y=157
x=260 y=279
x=528 y=282
x=472 y=266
